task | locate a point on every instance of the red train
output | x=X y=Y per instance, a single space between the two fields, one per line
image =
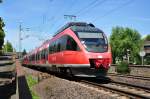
x=78 y=48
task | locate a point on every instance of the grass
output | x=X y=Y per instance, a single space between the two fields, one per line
x=123 y=68
x=31 y=82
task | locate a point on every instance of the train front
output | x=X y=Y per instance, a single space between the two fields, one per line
x=96 y=49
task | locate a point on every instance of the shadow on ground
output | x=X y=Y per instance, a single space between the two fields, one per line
x=6 y=91
x=23 y=88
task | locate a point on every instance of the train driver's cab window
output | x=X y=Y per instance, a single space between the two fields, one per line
x=71 y=44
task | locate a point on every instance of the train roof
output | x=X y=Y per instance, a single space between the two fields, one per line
x=75 y=26
x=79 y=26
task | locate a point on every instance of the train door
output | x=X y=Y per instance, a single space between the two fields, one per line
x=72 y=53
x=61 y=47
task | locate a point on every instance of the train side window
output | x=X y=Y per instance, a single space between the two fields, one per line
x=42 y=56
x=71 y=44
x=51 y=48
x=33 y=57
x=63 y=43
x=30 y=58
x=58 y=45
x=55 y=45
x=38 y=56
x=46 y=54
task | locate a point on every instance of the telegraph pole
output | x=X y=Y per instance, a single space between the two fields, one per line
x=128 y=55
x=6 y=46
x=20 y=30
x=142 y=54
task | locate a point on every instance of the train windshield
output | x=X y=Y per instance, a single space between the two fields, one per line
x=93 y=42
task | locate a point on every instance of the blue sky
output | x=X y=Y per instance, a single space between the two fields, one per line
x=44 y=17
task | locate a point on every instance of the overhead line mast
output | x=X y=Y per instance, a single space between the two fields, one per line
x=20 y=30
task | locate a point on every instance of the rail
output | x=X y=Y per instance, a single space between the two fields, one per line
x=123 y=89
x=138 y=66
x=130 y=76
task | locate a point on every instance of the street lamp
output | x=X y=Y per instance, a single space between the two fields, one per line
x=128 y=55
x=142 y=54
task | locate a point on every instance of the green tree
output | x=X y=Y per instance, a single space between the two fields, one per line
x=123 y=39
x=24 y=52
x=2 y=33
x=8 y=47
x=147 y=38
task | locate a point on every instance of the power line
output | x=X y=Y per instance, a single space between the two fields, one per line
x=91 y=7
x=44 y=21
x=115 y=9
x=44 y=18
x=73 y=4
x=91 y=3
x=66 y=10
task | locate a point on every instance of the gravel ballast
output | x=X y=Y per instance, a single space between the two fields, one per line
x=52 y=87
x=56 y=88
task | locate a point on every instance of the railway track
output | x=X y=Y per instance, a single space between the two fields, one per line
x=123 y=89
x=130 y=76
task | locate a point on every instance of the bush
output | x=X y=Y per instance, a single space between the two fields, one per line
x=123 y=68
x=147 y=60
x=1 y=52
